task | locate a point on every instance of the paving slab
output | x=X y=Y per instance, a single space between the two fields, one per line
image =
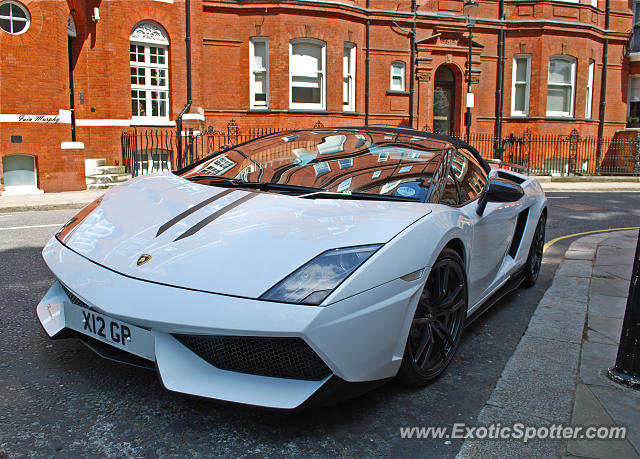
x=613 y=256
x=562 y=319
x=621 y=271
x=611 y=287
x=607 y=306
x=595 y=359
x=579 y=254
x=575 y=268
x=623 y=405
x=569 y=287
x=597 y=337
x=607 y=326
x=623 y=242
x=539 y=379
x=588 y=411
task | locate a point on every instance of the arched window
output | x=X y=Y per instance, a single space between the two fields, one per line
x=307 y=81
x=149 y=58
x=561 y=86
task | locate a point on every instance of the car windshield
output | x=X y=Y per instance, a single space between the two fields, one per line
x=345 y=161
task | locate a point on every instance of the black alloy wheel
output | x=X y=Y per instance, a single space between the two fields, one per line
x=534 y=260
x=438 y=322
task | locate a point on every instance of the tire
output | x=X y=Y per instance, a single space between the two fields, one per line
x=438 y=322
x=534 y=260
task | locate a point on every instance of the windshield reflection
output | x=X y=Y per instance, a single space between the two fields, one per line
x=336 y=160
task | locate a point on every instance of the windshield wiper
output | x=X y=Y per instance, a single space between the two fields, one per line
x=264 y=186
x=359 y=196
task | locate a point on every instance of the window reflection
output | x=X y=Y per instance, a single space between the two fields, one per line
x=340 y=160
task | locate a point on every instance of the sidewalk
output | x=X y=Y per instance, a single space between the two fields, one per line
x=557 y=374
x=78 y=199
x=48 y=201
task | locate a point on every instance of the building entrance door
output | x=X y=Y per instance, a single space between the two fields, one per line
x=444 y=94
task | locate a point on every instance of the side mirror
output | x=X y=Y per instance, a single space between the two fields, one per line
x=499 y=190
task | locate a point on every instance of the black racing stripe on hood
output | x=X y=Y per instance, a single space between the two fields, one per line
x=191 y=210
x=198 y=226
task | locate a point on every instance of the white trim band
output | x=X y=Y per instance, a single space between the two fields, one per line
x=63 y=117
x=125 y=123
x=72 y=146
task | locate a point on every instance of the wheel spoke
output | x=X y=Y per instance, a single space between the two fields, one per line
x=442 y=332
x=445 y=280
x=457 y=306
x=423 y=350
x=451 y=297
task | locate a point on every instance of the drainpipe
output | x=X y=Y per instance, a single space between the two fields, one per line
x=366 y=70
x=186 y=108
x=72 y=105
x=603 y=89
x=497 y=132
x=412 y=69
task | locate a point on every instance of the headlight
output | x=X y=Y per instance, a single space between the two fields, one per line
x=72 y=224
x=314 y=281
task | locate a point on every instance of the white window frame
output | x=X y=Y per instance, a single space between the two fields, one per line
x=349 y=78
x=573 y=62
x=589 y=103
x=150 y=35
x=322 y=74
x=630 y=98
x=253 y=71
x=402 y=66
x=527 y=85
x=219 y=165
x=11 y=19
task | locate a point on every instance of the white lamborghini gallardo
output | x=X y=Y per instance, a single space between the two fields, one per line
x=276 y=271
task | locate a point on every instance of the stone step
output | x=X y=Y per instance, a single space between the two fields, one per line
x=100 y=170
x=107 y=178
x=90 y=163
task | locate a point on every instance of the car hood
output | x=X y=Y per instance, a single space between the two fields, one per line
x=229 y=241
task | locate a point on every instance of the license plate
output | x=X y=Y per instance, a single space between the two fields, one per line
x=117 y=333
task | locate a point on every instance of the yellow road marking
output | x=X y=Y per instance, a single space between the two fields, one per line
x=553 y=241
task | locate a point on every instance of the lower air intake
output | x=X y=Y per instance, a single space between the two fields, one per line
x=289 y=358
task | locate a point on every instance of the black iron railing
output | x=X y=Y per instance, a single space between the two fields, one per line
x=150 y=151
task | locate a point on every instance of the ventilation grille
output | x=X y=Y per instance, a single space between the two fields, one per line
x=289 y=358
x=74 y=299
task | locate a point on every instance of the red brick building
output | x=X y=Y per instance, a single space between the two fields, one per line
x=74 y=74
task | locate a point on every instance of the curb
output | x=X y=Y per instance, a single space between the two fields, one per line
x=539 y=382
x=40 y=207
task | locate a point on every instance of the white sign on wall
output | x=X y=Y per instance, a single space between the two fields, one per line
x=63 y=117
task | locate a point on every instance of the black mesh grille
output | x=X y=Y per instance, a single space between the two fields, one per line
x=74 y=299
x=290 y=358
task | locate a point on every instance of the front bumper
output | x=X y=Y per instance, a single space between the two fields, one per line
x=360 y=338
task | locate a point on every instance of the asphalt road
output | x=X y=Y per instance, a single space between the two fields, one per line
x=58 y=398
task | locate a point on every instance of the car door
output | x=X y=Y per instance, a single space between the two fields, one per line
x=492 y=231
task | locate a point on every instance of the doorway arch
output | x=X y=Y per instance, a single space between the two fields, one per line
x=444 y=101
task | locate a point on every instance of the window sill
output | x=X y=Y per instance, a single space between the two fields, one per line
x=316 y=111
x=560 y=118
x=351 y=113
x=397 y=93
x=259 y=110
